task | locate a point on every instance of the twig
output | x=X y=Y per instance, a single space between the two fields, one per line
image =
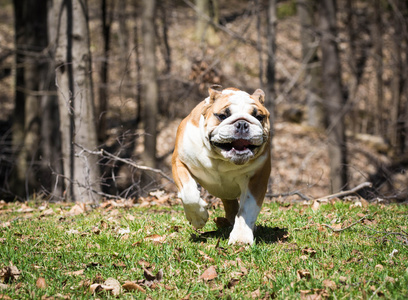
x=378 y=289
x=342 y=229
x=403 y=235
x=223 y=28
x=304 y=197
x=91 y=190
x=106 y=154
x=345 y=193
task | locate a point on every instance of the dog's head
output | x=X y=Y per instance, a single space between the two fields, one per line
x=236 y=124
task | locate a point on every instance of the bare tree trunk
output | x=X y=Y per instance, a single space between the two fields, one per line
x=334 y=96
x=272 y=20
x=31 y=71
x=107 y=15
x=76 y=107
x=123 y=28
x=51 y=163
x=397 y=78
x=378 y=66
x=396 y=94
x=150 y=90
x=404 y=10
x=207 y=10
x=258 y=6
x=316 y=115
x=138 y=64
x=163 y=6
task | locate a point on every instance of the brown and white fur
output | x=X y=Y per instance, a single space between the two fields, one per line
x=224 y=145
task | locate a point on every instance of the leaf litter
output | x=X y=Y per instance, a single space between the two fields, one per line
x=9 y=274
x=152 y=280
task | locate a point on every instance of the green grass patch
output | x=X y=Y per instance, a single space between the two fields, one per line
x=295 y=256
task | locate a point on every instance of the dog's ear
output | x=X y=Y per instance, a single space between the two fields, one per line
x=260 y=95
x=214 y=94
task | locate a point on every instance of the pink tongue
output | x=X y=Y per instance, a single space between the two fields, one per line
x=240 y=144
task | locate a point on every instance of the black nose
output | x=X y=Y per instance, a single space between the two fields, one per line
x=241 y=127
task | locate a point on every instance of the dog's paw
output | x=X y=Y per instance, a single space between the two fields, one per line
x=241 y=234
x=196 y=213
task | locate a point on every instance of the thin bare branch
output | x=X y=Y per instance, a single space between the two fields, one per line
x=304 y=197
x=345 y=193
x=129 y=162
x=347 y=227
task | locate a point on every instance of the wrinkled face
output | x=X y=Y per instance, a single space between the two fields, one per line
x=237 y=124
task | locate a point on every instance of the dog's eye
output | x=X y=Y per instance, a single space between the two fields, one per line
x=260 y=118
x=221 y=117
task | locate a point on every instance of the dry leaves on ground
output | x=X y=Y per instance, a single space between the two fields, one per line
x=111 y=285
x=209 y=274
x=9 y=274
x=40 y=283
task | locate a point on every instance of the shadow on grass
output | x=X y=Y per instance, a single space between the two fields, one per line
x=263 y=234
x=270 y=235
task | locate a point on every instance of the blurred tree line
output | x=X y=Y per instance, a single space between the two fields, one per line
x=64 y=96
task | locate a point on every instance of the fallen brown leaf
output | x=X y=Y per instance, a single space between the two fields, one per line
x=206 y=257
x=336 y=226
x=115 y=285
x=95 y=288
x=131 y=286
x=25 y=208
x=310 y=251
x=47 y=212
x=330 y=284
x=159 y=275
x=256 y=294
x=130 y=217
x=156 y=238
x=236 y=274
x=318 y=294
x=119 y=265
x=40 y=283
x=209 y=274
x=150 y=277
x=77 y=209
x=75 y=273
x=143 y=263
x=315 y=206
x=9 y=274
x=303 y=274
x=56 y=297
x=364 y=202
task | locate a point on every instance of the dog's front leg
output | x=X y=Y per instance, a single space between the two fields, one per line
x=245 y=219
x=195 y=208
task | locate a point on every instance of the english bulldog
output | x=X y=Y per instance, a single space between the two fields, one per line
x=224 y=145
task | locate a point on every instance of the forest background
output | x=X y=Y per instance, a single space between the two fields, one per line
x=91 y=92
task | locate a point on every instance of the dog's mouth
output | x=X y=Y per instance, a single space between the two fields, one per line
x=239 y=145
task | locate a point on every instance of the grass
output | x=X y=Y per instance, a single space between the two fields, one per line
x=294 y=256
